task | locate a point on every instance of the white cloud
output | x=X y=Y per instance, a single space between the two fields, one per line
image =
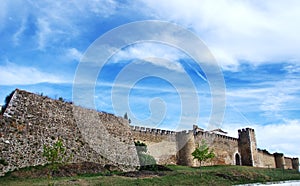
x=291 y=69
x=12 y=74
x=99 y=8
x=44 y=31
x=226 y=60
x=156 y=54
x=102 y=8
x=74 y=54
x=254 y=31
x=274 y=102
x=279 y=97
x=271 y=98
x=54 y=20
x=18 y=34
x=282 y=137
x=60 y=19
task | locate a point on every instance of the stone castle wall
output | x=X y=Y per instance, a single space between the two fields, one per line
x=31 y=121
x=170 y=147
x=253 y=156
x=266 y=159
x=288 y=163
x=161 y=144
x=225 y=147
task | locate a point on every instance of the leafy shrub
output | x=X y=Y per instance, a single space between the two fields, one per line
x=147 y=161
x=140 y=147
x=55 y=153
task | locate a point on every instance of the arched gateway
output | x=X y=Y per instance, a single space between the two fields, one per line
x=237 y=159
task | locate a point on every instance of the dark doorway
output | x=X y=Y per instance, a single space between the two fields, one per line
x=237 y=159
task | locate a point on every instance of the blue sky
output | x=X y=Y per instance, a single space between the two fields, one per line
x=256 y=45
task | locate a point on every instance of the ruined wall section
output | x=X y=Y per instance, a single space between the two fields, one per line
x=108 y=135
x=31 y=121
x=161 y=144
x=225 y=148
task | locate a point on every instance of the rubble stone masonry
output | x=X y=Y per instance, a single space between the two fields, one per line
x=31 y=121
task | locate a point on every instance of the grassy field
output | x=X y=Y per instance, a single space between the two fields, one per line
x=180 y=175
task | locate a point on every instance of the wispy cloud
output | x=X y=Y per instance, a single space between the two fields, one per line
x=73 y=54
x=43 y=31
x=292 y=68
x=154 y=53
x=18 y=34
x=99 y=7
x=254 y=31
x=51 y=22
x=22 y=75
x=271 y=99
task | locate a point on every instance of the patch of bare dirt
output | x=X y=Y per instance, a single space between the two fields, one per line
x=76 y=169
x=73 y=169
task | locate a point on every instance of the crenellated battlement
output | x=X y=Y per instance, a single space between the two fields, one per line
x=185 y=132
x=152 y=130
x=245 y=130
x=214 y=135
x=170 y=132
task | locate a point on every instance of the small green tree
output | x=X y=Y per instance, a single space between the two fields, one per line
x=54 y=154
x=203 y=153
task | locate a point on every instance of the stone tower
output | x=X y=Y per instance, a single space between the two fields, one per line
x=247 y=147
x=185 y=146
x=279 y=160
x=295 y=163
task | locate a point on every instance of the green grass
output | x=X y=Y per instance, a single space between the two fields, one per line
x=181 y=175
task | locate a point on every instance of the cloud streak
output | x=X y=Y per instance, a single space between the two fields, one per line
x=235 y=31
x=152 y=53
x=74 y=54
x=20 y=75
